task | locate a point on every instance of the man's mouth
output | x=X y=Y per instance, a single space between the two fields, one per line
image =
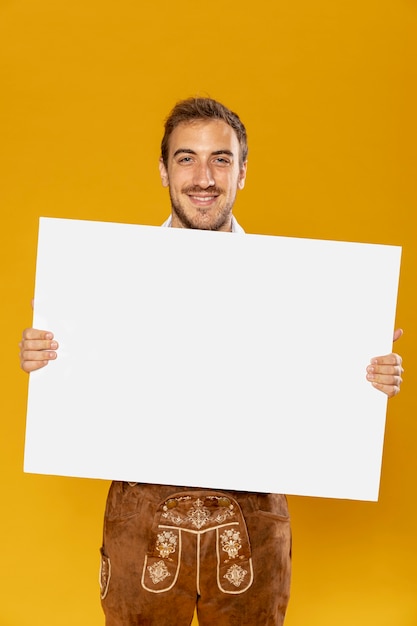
x=203 y=200
x=202 y=197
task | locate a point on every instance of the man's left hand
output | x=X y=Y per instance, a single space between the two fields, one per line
x=384 y=372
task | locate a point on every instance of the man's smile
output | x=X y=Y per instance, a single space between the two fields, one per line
x=201 y=197
x=202 y=200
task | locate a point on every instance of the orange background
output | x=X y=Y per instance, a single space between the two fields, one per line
x=327 y=91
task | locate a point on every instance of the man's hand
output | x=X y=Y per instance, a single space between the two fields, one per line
x=384 y=372
x=37 y=348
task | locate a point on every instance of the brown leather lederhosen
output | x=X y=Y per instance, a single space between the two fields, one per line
x=167 y=549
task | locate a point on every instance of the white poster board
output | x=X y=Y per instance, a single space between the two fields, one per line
x=211 y=359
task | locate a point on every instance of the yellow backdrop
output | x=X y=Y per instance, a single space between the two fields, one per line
x=328 y=93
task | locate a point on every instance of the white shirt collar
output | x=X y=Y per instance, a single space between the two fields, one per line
x=236 y=228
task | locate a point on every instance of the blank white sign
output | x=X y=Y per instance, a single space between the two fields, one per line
x=211 y=359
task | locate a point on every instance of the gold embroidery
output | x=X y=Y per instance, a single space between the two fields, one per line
x=198 y=515
x=158 y=572
x=231 y=544
x=166 y=543
x=235 y=575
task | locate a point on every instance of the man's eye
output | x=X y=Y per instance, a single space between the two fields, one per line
x=186 y=159
x=222 y=161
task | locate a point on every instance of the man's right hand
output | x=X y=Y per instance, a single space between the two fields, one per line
x=37 y=348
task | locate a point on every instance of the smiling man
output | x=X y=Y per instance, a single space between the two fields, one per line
x=167 y=549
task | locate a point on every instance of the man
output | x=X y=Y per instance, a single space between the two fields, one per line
x=169 y=548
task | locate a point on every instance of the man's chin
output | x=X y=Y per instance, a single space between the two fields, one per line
x=207 y=224
x=202 y=220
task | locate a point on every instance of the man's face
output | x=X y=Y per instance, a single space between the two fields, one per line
x=203 y=174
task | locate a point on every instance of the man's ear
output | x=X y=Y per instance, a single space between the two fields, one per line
x=163 y=173
x=242 y=175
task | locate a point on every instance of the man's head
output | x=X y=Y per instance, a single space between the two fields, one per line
x=193 y=109
x=203 y=162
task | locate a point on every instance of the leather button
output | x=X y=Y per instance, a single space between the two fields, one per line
x=223 y=502
x=171 y=503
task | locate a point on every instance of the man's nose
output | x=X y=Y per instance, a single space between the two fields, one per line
x=203 y=176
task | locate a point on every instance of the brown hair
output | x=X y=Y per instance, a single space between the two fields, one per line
x=193 y=109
